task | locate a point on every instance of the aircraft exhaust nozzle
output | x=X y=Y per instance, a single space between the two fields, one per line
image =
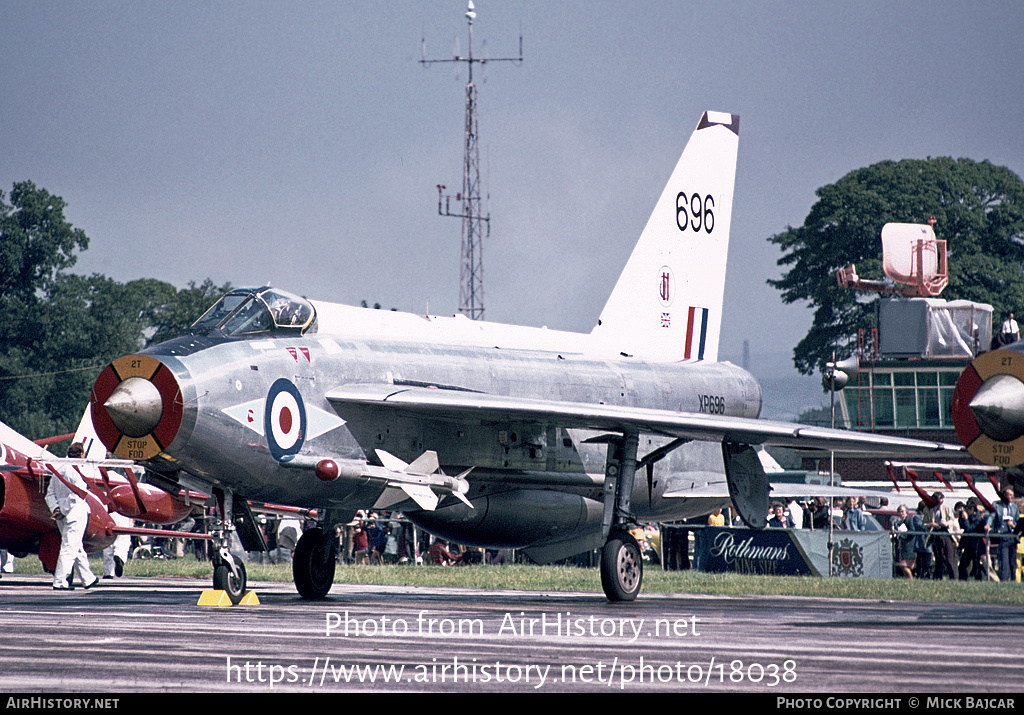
x=135 y=407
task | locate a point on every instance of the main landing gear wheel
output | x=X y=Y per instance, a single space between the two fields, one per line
x=225 y=580
x=622 y=567
x=313 y=563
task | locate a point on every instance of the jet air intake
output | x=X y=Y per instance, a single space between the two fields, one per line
x=137 y=407
x=988 y=406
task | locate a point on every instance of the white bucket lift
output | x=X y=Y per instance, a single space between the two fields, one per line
x=911 y=257
x=923 y=326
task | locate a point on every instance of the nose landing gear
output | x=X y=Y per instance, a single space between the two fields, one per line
x=229 y=576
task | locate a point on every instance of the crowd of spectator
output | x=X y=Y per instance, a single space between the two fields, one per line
x=969 y=540
x=387 y=538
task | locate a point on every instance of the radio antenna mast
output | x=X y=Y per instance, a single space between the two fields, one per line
x=471 y=211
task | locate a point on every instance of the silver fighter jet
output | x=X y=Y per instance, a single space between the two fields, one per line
x=489 y=435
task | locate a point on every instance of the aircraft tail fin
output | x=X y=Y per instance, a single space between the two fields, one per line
x=667 y=304
x=15 y=439
x=86 y=434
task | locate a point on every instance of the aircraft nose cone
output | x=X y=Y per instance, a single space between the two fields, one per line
x=135 y=406
x=998 y=406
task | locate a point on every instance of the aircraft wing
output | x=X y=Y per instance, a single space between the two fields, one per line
x=478 y=408
x=782 y=490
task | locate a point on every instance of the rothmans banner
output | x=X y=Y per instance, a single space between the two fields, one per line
x=797 y=552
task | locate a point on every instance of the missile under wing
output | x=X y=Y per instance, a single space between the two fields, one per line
x=490 y=435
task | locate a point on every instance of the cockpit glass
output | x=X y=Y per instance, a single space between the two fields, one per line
x=220 y=310
x=264 y=310
x=288 y=311
x=252 y=317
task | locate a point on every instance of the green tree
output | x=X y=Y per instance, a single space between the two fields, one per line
x=36 y=242
x=979 y=209
x=58 y=329
x=76 y=326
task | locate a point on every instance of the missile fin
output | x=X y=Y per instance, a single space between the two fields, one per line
x=422 y=495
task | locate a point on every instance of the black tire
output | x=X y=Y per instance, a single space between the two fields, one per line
x=224 y=580
x=622 y=567
x=313 y=563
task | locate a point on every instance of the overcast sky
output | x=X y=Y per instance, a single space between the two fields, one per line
x=299 y=143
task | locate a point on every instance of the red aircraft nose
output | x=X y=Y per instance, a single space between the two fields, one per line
x=136 y=407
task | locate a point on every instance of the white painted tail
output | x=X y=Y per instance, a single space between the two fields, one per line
x=86 y=434
x=667 y=304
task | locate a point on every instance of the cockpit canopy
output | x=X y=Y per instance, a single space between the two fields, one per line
x=253 y=311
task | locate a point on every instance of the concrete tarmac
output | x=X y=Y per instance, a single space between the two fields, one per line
x=145 y=635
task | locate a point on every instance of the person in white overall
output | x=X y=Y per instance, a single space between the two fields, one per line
x=71 y=512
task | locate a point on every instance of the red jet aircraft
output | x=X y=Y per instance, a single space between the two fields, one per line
x=26 y=525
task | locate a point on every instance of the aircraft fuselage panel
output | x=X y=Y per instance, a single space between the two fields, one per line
x=245 y=414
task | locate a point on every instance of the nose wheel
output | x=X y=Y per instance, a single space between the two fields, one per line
x=229 y=576
x=228 y=570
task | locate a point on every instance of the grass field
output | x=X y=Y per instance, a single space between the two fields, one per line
x=565 y=578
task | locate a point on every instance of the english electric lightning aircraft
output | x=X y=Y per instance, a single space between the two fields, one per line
x=489 y=435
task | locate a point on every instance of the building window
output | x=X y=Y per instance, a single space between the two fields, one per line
x=902 y=399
